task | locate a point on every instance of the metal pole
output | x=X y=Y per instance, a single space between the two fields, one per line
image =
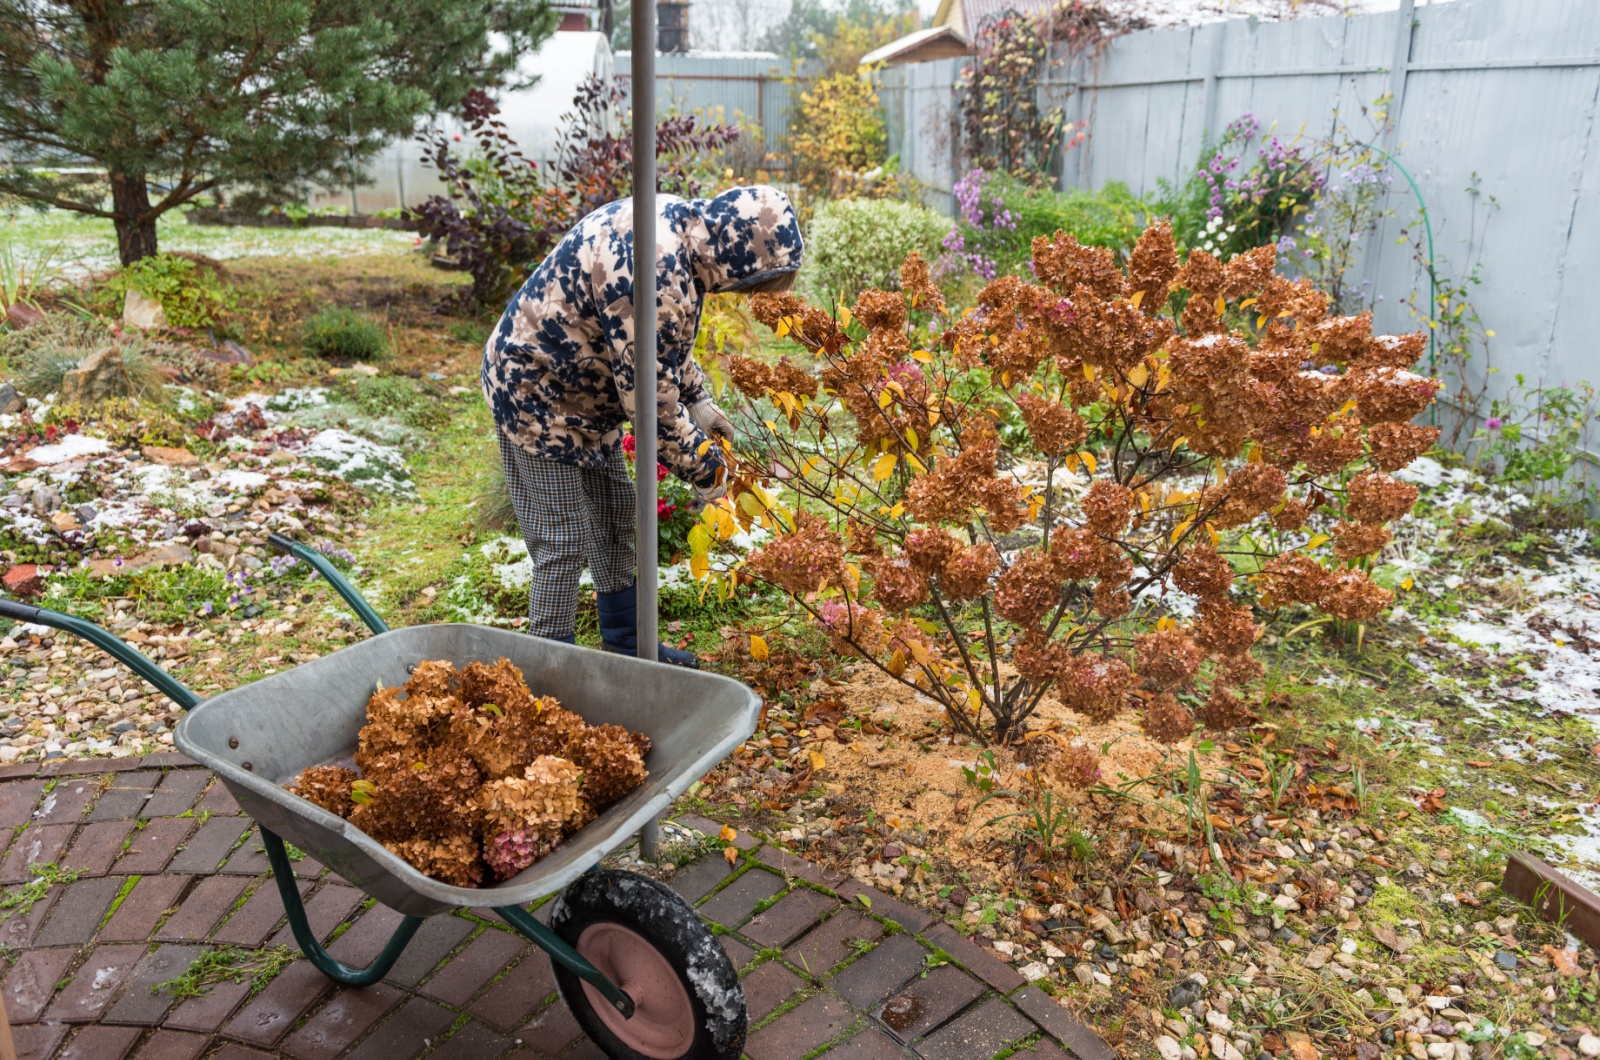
x=644 y=336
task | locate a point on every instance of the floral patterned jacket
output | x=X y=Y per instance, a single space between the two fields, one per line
x=558 y=370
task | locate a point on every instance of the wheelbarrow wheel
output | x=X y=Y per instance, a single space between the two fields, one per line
x=688 y=1004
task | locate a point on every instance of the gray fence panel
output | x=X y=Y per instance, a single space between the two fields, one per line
x=735 y=89
x=1500 y=100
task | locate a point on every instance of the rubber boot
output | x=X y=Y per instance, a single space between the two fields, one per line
x=619 y=628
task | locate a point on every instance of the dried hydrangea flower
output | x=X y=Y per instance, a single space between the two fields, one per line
x=966 y=574
x=1053 y=426
x=1028 y=589
x=327 y=787
x=1107 y=506
x=1292 y=578
x=1353 y=597
x=1166 y=659
x=1225 y=628
x=1394 y=445
x=1096 y=687
x=1223 y=710
x=1351 y=541
x=1166 y=720
x=455 y=859
x=1376 y=498
x=1203 y=572
x=898 y=585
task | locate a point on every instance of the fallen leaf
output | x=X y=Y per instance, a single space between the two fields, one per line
x=730 y=855
x=1386 y=935
x=727 y=835
x=1480 y=765
x=1566 y=961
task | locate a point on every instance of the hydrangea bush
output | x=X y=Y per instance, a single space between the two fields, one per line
x=1227 y=438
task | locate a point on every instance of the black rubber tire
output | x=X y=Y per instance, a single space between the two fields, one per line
x=672 y=926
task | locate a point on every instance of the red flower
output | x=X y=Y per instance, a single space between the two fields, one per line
x=664 y=509
x=627 y=445
x=661 y=472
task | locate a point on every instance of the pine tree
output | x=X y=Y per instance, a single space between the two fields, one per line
x=166 y=100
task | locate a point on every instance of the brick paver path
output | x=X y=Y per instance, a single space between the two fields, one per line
x=169 y=870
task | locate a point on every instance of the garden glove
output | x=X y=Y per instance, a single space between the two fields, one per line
x=710 y=419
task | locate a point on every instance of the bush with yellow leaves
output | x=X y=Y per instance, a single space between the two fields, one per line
x=466 y=770
x=1218 y=423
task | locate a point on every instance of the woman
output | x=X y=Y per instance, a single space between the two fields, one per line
x=558 y=374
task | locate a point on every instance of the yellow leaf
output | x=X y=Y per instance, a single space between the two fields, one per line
x=844 y=316
x=1089 y=461
x=699 y=567
x=1215 y=537
x=699 y=539
x=727 y=835
x=818 y=763
x=1222 y=305
x=911 y=438
x=1070 y=461
x=758 y=647
x=703 y=448
x=1138 y=296
x=1182 y=528
x=1140 y=372
x=897 y=511
x=1407 y=584
x=916 y=464
x=974 y=699
x=1489 y=334
x=1320 y=539
x=1144 y=501
x=783 y=327
x=750 y=505
x=1248 y=302
x=1088 y=372
x=921 y=355
x=730 y=855
x=1348 y=405
x=1165 y=622
x=897 y=663
x=1261 y=321
x=773 y=427
x=920 y=653
x=885 y=396
x=884 y=466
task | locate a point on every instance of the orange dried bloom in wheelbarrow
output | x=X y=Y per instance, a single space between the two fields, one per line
x=328 y=787
x=463 y=771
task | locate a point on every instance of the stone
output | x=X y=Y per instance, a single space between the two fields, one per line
x=22 y=315
x=1318 y=957
x=161 y=454
x=64 y=521
x=1184 y=994
x=1505 y=960
x=1219 y=1021
x=23 y=581
x=141 y=311
x=1441 y=1050
x=10 y=400
x=229 y=352
x=1168 y=1048
x=168 y=555
x=1589 y=1045
x=99 y=376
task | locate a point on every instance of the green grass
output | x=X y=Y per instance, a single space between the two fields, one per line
x=19 y=900
x=228 y=964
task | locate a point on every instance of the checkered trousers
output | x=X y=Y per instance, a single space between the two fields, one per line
x=569 y=514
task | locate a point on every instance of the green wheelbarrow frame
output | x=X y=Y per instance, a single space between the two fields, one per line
x=258 y=736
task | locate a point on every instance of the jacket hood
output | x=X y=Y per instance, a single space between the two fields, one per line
x=753 y=236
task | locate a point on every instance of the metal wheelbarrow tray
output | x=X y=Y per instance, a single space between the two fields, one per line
x=658 y=984
x=259 y=737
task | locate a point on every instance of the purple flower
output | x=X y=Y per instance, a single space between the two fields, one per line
x=1494 y=423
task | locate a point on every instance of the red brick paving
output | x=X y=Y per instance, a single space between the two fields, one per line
x=188 y=876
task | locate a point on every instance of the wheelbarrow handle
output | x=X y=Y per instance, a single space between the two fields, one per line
x=107 y=642
x=290 y=547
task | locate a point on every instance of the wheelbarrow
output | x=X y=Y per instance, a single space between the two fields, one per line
x=641 y=972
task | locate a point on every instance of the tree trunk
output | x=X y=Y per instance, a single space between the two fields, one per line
x=136 y=224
